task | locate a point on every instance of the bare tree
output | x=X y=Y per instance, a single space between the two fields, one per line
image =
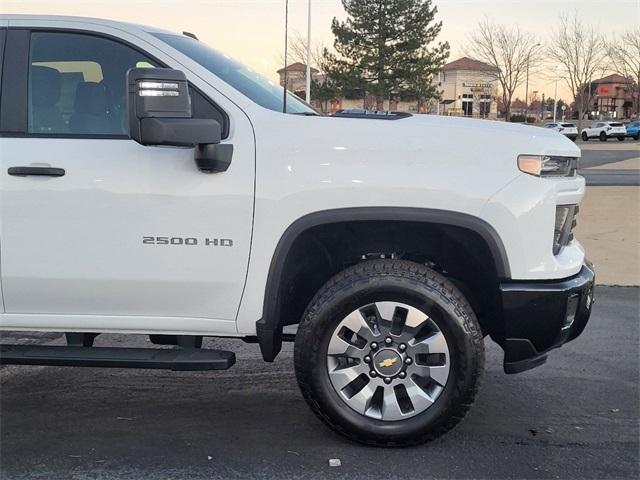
x=580 y=52
x=297 y=51
x=624 y=53
x=510 y=51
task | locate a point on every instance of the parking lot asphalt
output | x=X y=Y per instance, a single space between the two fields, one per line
x=574 y=418
x=599 y=163
x=596 y=154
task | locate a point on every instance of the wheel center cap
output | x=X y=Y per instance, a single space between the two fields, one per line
x=387 y=362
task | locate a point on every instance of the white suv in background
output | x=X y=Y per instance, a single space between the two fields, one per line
x=569 y=130
x=605 y=131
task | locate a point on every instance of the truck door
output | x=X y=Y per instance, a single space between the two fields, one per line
x=104 y=226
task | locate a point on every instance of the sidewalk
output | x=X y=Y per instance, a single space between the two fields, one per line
x=609 y=229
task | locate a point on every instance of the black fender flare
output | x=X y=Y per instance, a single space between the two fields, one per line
x=269 y=327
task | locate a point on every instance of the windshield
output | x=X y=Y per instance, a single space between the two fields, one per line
x=248 y=82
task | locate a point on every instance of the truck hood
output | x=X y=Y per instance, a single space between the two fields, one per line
x=544 y=140
x=422 y=161
x=430 y=134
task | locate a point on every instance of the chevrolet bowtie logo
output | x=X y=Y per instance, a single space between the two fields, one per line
x=388 y=362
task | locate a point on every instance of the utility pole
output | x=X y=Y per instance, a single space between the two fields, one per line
x=286 y=52
x=308 y=90
x=555 y=102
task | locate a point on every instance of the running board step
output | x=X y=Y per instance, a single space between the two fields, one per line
x=190 y=359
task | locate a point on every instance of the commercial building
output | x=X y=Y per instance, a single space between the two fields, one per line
x=296 y=75
x=612 y=98
x=469 y=88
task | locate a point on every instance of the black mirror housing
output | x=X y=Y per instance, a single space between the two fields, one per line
x=160 y=114
x=214 y=158
x=179 y=131
x=160 y=110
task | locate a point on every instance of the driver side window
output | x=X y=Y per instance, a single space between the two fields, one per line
x=77 y=84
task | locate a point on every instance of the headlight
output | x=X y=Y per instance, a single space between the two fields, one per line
x=546 y=166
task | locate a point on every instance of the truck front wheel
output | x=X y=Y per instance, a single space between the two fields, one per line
x=389 y=353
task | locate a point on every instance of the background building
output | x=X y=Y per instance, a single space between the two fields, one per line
x=612 y=97
x=297 y=78
x=296 y=83
x=469 y=88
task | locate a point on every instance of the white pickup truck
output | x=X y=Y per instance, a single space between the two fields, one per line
x=152 y=185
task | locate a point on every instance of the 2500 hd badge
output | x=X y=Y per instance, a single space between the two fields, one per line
x=188 y=241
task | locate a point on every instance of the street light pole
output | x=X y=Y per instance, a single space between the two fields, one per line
x=526 y=93
x=308 y=89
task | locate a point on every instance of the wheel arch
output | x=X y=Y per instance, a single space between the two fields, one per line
x=269 y=327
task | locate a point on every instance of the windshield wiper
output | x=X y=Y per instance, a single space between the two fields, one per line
x=305 y=114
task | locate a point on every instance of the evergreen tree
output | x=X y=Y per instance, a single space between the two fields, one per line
x=338 y=80
x=385 y=47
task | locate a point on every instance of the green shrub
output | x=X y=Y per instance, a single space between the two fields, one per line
x=519 y=118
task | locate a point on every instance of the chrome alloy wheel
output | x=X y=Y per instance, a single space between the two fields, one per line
x=388 y=361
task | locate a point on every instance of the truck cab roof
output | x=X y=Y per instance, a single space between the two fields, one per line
x=17 y=20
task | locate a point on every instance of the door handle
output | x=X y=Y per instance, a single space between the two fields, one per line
x=36 y=171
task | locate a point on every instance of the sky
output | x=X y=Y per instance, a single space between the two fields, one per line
x=252 y=31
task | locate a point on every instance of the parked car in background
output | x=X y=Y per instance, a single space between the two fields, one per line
x=604 y=131
x=569 y=130
x=633 y=129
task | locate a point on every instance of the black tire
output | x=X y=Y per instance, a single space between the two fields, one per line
x=621 y=139
x=412 y=284
x=585 y=137
x=636 y=137
x=603 y=137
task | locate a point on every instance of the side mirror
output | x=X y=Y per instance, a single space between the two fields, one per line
x=160 y=114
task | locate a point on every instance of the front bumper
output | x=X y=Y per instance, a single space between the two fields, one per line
x=542 y=315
